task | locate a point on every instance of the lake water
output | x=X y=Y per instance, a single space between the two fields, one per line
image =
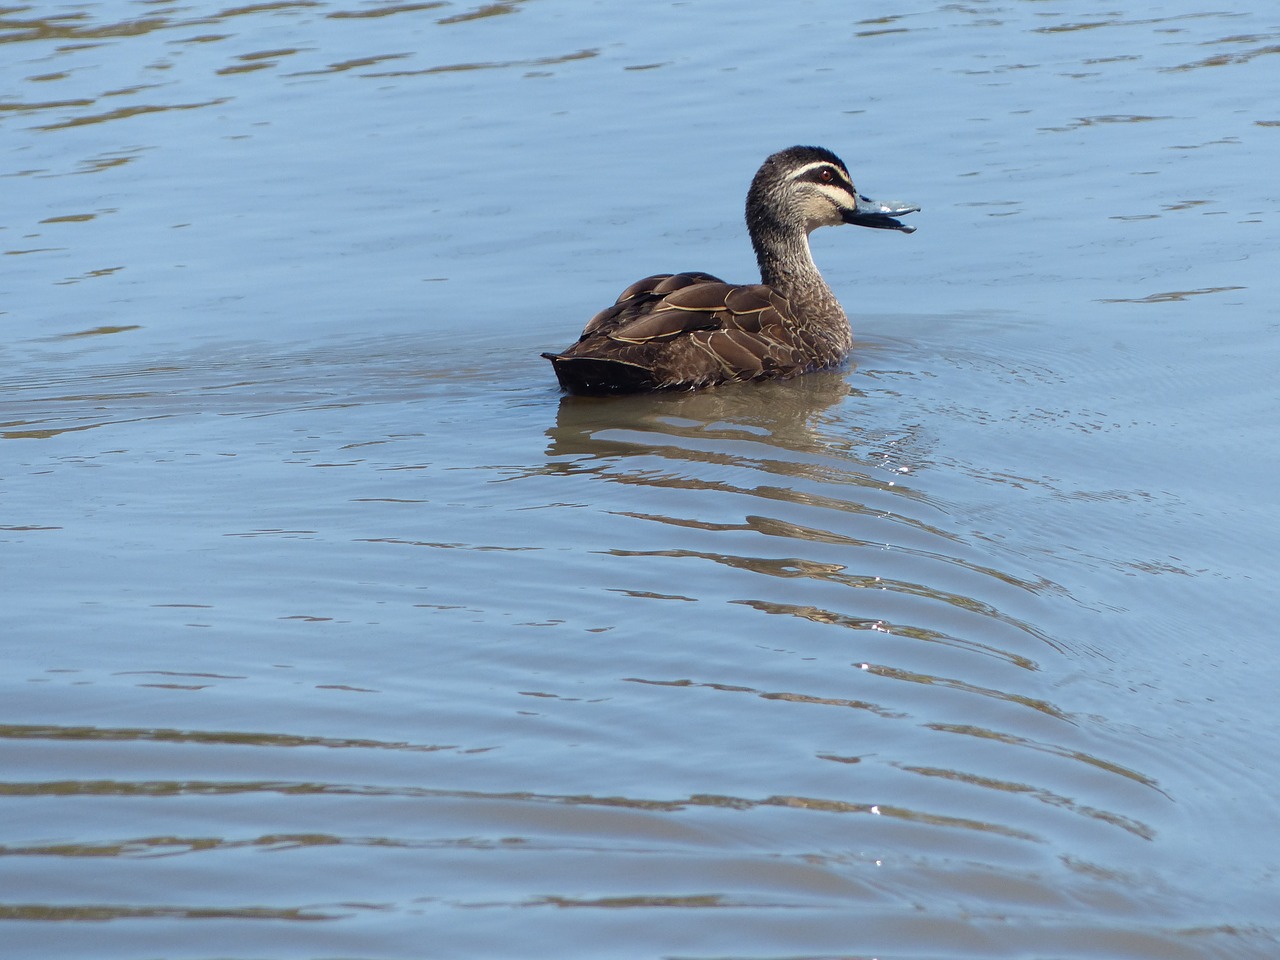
x=331 y=629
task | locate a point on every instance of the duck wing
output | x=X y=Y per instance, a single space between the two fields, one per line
x=657 y=315
x=641 y=298
x=685 y=329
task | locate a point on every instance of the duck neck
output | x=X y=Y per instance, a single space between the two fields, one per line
x=786 y=264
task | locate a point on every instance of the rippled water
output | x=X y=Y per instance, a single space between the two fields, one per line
x=332 y=629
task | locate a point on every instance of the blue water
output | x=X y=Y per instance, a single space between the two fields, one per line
x=332 y=630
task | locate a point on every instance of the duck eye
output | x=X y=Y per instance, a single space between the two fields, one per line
x=825 y=175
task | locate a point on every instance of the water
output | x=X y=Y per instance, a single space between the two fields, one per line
x=332 y=629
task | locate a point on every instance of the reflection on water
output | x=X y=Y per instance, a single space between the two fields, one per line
x=64 y=38
x=766 y=575
x=332 y=628
x=750 y=432
x=784 y=431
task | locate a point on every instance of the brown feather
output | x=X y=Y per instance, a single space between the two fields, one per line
x=692 y=329
x=737 y=358
x=748 y=299
x=642 y=286
x=680 y=280
x=699 y=296
x=664 y=324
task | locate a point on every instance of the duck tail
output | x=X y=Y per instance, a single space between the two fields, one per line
x=596 y=376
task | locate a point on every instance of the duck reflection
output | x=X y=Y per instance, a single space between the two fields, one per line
x=783 y=414
x=800 y=441
x=794 y=478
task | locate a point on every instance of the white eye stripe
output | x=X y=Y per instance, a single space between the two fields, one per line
x=800 y=172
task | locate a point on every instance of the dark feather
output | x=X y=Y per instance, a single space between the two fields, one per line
x=749 y=299
x=738 y=353
x=681 y=280
x=597 y=376
x=703 y=331
x=699 y=296
x=665 y=323
x=692 y=329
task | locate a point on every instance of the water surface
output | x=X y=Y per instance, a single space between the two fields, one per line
x=333 y=629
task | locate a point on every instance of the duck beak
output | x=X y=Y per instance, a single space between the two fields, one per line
x=874 y=213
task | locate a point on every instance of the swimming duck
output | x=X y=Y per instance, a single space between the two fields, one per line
x=690 y=330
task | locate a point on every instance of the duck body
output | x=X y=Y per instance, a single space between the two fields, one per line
x=691 y=330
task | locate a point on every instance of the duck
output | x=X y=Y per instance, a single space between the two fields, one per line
x=691 y=330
